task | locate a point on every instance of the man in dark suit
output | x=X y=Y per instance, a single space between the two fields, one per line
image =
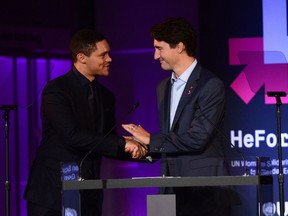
x=191 y=105
x=77 y=115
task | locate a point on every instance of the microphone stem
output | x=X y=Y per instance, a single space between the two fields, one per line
x=135 y=105
x=227 y=139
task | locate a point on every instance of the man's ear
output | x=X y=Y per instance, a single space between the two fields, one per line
x=81 y=57
x=180 y=47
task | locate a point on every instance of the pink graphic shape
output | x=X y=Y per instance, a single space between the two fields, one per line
x=256 y=74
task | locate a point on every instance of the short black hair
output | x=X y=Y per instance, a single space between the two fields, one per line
x=174 y=30
x=84 y=41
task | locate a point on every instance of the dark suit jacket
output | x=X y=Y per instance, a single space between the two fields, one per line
x=68 y=135
x=192 y=147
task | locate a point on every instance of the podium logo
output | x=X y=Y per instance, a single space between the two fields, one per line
x=264 y=59
x=271 y=209
x=70 y=212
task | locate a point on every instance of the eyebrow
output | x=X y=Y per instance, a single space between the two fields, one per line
x=104 y=53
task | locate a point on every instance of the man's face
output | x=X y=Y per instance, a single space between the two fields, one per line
x=98 y=62
x=166 y=55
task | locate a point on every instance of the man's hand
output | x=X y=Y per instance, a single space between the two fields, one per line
x=135 y=149
x=138 y=132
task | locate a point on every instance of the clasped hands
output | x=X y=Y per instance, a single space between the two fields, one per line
x=136 y=145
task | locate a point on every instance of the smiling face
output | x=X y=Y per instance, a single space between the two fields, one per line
x=97 y=63
x=165 y=54
x=172 y=57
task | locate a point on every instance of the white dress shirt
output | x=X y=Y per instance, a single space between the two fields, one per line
x=178 y=85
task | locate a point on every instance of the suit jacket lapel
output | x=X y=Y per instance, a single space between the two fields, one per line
x=187 y=93
x=164 y=93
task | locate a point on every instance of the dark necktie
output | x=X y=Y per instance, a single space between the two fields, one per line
x=92 y=103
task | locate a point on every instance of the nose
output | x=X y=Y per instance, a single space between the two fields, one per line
x=156 y=54
x=108 y=58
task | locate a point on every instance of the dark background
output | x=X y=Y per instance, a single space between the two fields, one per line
x=34 y=37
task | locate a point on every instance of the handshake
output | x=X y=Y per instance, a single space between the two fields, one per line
x=137 y=143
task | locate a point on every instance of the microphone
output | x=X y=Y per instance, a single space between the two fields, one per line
x=276 y=94
x=226 y=138
x=135 y=106
x=149 y=159
x=8 y=107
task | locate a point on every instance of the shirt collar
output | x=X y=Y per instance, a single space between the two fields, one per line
x=185 y=75
x=82 y=79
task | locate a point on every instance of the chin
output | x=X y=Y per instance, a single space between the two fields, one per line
x=165 y=68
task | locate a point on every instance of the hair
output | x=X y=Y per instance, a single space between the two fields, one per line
x=175 y=30
x=84 y=41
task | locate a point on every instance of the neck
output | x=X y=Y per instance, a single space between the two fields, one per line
x=84 y=72
x=183 y=65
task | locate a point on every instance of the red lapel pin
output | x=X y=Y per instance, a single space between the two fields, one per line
x=189 y=91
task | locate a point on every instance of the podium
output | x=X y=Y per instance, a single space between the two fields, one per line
x=263 y=183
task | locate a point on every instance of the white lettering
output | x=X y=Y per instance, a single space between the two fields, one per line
x=235 y=138
x=271 y=140
x=250 y=163
x=260 y=136
x=248 y=140
x=235 y=163
x=284 y=137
